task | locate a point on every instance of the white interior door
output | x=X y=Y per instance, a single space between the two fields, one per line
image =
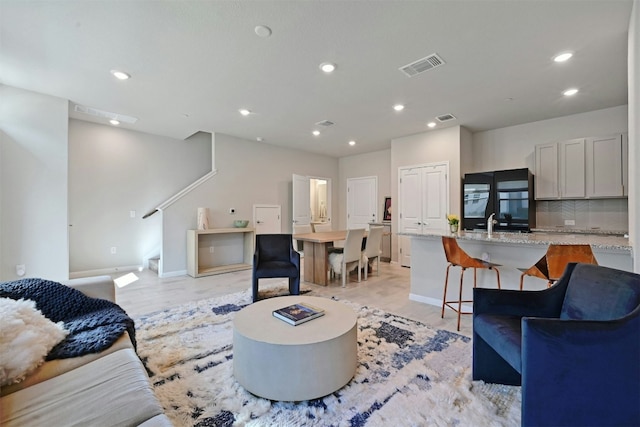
x=300 y=200
x=362 y=194
x=267 y=219
x=410 y=207
x=435 y=201
x=424 y=198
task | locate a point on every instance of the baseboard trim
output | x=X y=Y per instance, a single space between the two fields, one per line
x=173 y=273
x=103 y=271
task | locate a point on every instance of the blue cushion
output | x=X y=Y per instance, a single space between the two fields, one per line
x=503 y=334
x=595 y=293
x=276 y=269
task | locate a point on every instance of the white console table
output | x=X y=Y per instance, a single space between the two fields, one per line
x=219 y=250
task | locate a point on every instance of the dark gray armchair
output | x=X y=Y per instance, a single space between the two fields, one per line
x=574 y=347
x=275 y=257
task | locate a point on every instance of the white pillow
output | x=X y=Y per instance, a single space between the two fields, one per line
x=26 y=337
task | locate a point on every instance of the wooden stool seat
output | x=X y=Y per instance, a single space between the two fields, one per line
x=551 y=266
x=459 y=258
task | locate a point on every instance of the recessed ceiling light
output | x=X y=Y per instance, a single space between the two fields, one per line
x=570 y=92
x=328 y=67
x=114 y=122
x=120 y=75
x=352 y=143
x=431 y=124
x=563 y=57
x=262 y=31
x=316 y=133
x=244 y=111
x=398 y=107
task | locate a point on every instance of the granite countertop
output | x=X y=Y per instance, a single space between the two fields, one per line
x=597 y=241
x=580 y=231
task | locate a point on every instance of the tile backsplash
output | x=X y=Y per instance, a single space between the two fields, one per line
x=604 y=214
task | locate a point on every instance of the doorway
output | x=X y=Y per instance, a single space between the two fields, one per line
x=362 y=195
x=311 y=200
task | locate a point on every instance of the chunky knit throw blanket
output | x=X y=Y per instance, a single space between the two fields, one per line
x=93 y=324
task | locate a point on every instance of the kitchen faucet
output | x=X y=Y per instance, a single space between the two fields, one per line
x=490 y=223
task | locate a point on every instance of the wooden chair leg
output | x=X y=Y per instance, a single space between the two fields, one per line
x=498 y=275
x=460 y=296
x=444 y=297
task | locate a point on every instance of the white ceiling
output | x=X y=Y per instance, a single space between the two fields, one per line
x=195 y=63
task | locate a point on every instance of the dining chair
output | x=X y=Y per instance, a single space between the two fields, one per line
x=372 y=249
x=551 y=266
x=318 y=228
x=457 y=257
x=338 y=245
x=350 y=256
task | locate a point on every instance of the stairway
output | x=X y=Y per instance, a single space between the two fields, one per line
x=153 y=264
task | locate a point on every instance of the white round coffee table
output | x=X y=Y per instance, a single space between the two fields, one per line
x=278 y=361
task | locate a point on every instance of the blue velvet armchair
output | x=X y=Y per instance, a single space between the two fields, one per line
x=574 y=347
x=275 y=257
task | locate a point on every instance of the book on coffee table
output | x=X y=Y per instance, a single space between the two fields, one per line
x=298 y=313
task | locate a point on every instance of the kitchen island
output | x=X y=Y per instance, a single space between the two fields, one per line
x=511 y=250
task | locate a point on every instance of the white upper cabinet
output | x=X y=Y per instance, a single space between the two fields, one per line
x=571 y=168
x=594 y=167
x=604 y=170
x=546 y=176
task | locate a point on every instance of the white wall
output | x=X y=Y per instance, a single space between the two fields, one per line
x=248 y=173
x=369 y=164
x=33 y=179
x=634 y=132
x=113 y=171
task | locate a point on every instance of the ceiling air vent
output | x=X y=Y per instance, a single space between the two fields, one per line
x=104 y=114
x=325 y=123
x=421 y=65
x=446 y=117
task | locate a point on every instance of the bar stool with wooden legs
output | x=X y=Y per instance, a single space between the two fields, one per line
x=459 y=258
x=551 y=266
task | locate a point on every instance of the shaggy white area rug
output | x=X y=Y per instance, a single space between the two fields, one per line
x=409 y=374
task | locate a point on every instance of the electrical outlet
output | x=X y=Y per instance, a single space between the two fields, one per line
x=569 y=222
x=113 y=250
x=132 y=214
x=21 y=269
x=211 y=249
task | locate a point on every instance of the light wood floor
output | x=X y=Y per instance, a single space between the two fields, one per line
x=388 y=291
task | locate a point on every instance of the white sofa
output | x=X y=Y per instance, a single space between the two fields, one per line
x=110 y=388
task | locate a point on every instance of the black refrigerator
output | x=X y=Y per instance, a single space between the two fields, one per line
x=507 y=193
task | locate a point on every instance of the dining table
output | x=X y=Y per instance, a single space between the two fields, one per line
x=316 y=254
